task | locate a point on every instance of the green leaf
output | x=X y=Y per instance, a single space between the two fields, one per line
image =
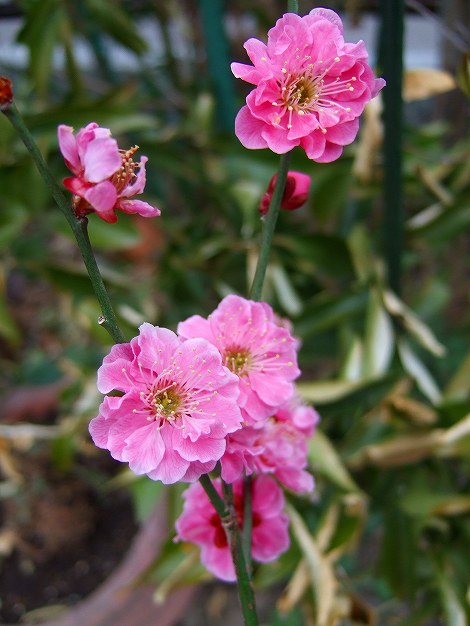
x=114 y=21
x=326 y=311
x=288 y=298
x=326 y=461
x=413 y=324
x=119 y=236
x=379 y=338
x=327 y=254
x=145 y=494
x=321 y=572
x=455 y=613
x=398 y=554
x=413 y=365
x=8 y=328
x=352 y=366
x=331 y=390
x=44 y=22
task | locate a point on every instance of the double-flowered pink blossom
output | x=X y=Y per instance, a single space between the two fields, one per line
x=311 y=87
x=278 y=447
x=200 y=524
x=255 y=347
x=177 y=406
x=105 y=178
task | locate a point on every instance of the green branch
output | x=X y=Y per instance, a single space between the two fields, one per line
x=269 y=227
x=228 y=516
x=79 y=226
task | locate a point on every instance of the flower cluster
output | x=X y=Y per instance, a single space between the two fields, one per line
x=105 y=177
x=311 y=87
x=221 y=390
x=200 y=524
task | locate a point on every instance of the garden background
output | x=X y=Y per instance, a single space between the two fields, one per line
x=373 y=272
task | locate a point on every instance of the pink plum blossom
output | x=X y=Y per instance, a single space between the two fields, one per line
x=200 y=524
x=295 y=192
x=105 y=177
x=311 y=87
x=178 y=403
x=255 y=347
x=278 y=447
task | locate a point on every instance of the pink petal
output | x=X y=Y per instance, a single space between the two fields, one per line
x=327 y=14
x=205 y=449
x=219 y=562
x=68 y=147
x=268 y=498
x=101 y=159
x=196 y=326
x=138 y=206
x=171 y=469
x=157 y=346
x=139 y=183
x=196 y=469
x=270 y=538
x=248 y=130
x=297 y=480
x=257 y=51
x=111 y=375
x=102 y=198
x=77 y=186
x=272 y=392
x=144 y=449
x=246 y=72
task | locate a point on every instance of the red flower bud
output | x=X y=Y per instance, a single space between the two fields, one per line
x=6 y=92
x=295 y=192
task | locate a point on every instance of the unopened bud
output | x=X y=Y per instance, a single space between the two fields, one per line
x=6 y=92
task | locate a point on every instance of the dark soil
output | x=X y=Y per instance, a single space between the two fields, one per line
x=66 y=538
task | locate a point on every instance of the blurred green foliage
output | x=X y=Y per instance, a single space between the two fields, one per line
x=386 y=535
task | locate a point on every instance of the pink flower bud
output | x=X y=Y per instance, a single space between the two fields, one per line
x=295 y=192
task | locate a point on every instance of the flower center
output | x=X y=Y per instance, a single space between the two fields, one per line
x=302 y=92
x=237 y=360
x=310 y=89
x=163 y=405
x=166 y=403
x=125 y=174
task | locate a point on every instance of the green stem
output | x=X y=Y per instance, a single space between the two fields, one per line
x=247 y=521
x=226 y=511
x=269 y=227
x=292 y=6
x=79 y=226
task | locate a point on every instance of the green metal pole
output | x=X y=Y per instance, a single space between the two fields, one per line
x=391 y=62
x=212 y=16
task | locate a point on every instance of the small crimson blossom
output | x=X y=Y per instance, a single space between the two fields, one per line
x=255 y=348
x=311 y=87
x=177 y=406
x=200 y=524
x=278 y=447
x=295 y=192
x=105 y=177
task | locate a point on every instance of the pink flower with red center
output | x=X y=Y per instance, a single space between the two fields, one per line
x=295 y=192
x=311 y=87
x=278 y=447
x=177 y=406
x=105 y=177
x=255 y=348
x=200 y=524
